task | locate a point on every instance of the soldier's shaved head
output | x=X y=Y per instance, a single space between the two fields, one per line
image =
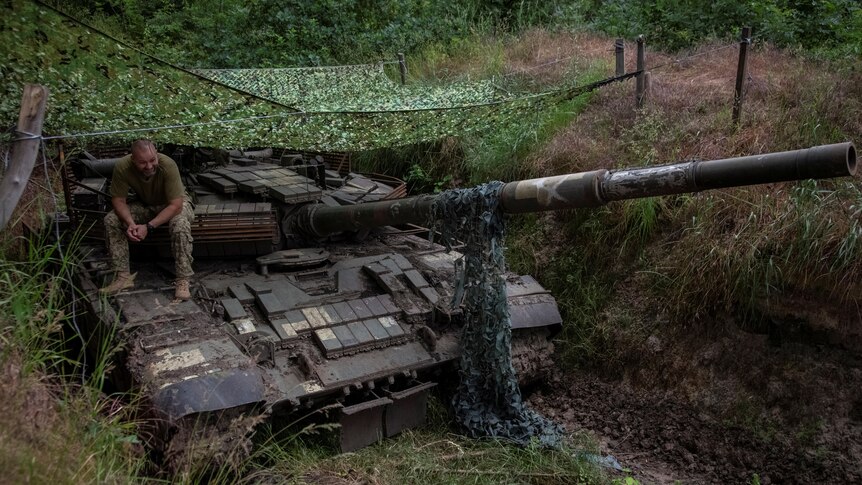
x=143 y=146
x=145 y=158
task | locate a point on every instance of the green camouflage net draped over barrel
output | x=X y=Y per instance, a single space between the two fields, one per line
x=488 y=402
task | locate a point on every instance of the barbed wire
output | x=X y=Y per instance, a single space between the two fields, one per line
x=699 y=54
x=532 y=68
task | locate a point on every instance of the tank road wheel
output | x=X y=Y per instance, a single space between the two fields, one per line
x=207 y=442
x=532 y=354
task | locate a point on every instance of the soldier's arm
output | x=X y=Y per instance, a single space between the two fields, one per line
x=122 y=210
x=168 y=213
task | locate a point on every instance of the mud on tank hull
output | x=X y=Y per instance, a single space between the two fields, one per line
x=368 y=330
x=360 y=326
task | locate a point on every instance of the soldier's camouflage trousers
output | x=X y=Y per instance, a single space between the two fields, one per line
x=180 y=227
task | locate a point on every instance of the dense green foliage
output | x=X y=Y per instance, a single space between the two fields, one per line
x=833 y=25
x=266 y=33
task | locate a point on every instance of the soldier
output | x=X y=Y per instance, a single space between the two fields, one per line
x=162 y=199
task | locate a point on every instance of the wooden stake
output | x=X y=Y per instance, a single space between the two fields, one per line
x=402 y=68
x=620 y=53
x=741 y=69
x=24 y=148
x=640 y=87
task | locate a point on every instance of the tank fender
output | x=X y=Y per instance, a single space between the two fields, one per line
x=210 y=392
x=530 y=304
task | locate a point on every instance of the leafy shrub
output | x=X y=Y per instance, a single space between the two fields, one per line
x=677 y=24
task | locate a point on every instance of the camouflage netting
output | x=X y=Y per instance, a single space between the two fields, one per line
x=488 y=401
x=100 y=85
x=363 y=88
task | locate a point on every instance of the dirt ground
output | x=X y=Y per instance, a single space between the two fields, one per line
x=803 y=425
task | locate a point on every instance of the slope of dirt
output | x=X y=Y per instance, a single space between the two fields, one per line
x=662 y=438
x=719 y=402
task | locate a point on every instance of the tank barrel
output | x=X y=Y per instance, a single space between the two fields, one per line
x=318 y=220
x=598 y=187
x=592 y=189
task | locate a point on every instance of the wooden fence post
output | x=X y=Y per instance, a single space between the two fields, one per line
x=741 y=69
x=640 y=86
x=620 y=52
x=402 y=68
x=25 y=146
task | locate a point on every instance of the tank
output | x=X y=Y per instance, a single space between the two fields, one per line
x=318 y=291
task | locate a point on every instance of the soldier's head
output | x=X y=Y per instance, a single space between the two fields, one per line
x=145 y=158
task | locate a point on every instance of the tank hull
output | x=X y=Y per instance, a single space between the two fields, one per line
x=363 y=335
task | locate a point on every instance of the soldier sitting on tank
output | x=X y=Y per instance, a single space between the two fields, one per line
x=162 y=199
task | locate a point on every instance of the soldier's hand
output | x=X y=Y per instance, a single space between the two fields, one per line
x=133 y=233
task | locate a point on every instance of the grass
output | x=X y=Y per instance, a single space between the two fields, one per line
x=304 y=451
x=804 y=239
x=729 y=249
x=533 y=62
x=56 y=424
x=431 y=454
x=499 y=155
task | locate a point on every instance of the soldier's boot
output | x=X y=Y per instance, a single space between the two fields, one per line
x=122 y=281
x=182 y=292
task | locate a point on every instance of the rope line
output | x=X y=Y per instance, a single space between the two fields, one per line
x=297 y=68
x=27 y=136
x=151 y=56
x=531 y=68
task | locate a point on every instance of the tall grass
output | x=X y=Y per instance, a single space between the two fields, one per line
x=500 y=154
x=56 y=424
x=803 y=239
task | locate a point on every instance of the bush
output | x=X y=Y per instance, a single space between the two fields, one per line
x=832 y=25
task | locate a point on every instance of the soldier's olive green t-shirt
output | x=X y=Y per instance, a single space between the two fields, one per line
x=164 y=186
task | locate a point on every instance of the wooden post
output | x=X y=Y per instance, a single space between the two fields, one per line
x=620 y=52
x=640 y=86
x=24 y=148
x=402 y=68
x=741 y=69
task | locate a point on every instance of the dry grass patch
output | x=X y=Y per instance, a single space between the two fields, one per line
x=790 y=103
x=545 y=59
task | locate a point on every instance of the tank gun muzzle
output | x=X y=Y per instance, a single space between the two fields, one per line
x=598 y=187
